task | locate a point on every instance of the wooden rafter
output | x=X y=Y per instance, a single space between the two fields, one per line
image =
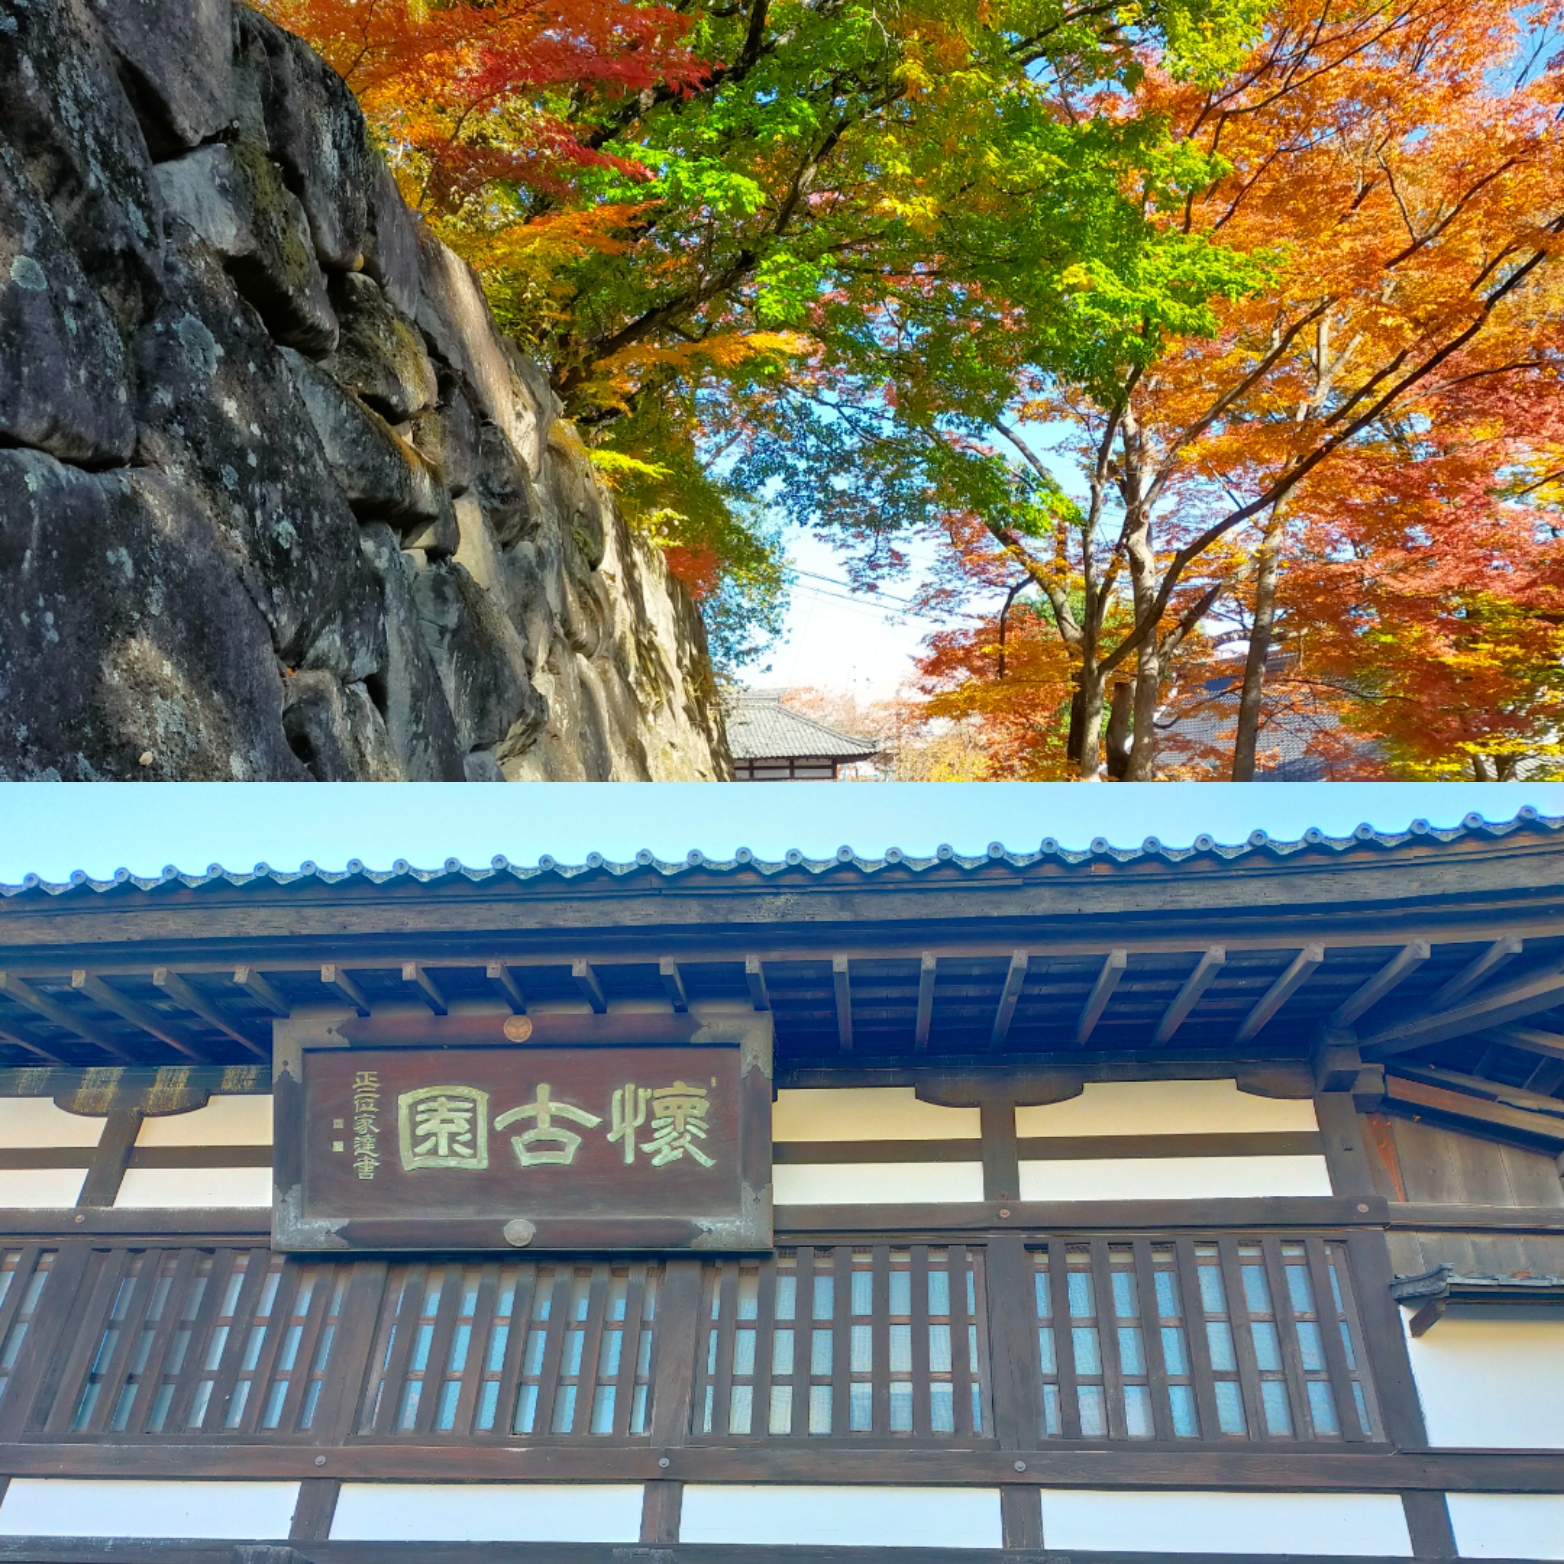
x=503 y=979
x=673 y=983
x=39 y=1003
x=928 y=965
x=755 y=980
x=590 y=985
x=192 y=999
x=428 y=990
x=1009 y=994
x=259 y=988
x=1303 y=967
x=159 y=1026
x=842 y=987
x=1113 y=967
x=1537 y=991
x=1401 y=966
x=335 y=977
x=1211 y=962
x=1475 y=971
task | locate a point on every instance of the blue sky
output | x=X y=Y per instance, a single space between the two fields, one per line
x=51 y=828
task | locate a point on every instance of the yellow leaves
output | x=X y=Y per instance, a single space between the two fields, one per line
x=614 y=466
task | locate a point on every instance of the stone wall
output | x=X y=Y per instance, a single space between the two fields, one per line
x=276 y=499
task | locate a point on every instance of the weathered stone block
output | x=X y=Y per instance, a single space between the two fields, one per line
x=235 y=199
x=407 y=690
x=447 y=436
x=217 y=409
x=128 y=646
x=62 y=364
x=65 y=115
x=380 y=354
x=454 y=315
x=336 y=731
x=315 y=130
x=177 y=56
x=478 y=655
x=391 y=246
x=378 y=472
x=504 y=488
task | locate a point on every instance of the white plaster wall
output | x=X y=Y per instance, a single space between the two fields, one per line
x=869 y=1113
x=40 y=1186
x=875 y=1183
x=224 y=1121
x=822 y=1517
x=1491 y=1383
x=488 y=1512
x=61 y=1507
x=186 y=1187
x=1174 y=1178
x=35 y=1121
x=1166 y=1108
x=1349 y=1523
x=1508 y=1525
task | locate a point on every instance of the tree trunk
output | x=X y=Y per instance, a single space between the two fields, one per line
x=1145 y=688
x=1091 y=725
x=1248 y=734
x=1118 y=739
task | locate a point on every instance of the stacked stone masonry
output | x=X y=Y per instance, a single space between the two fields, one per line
x=277 y=500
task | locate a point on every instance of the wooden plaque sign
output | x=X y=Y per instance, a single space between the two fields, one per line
x=655 y=1147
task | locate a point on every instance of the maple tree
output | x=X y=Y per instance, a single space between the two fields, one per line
x=683 y=209
x=1356 y=241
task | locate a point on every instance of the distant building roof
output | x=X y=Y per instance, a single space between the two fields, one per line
x=1291 y=725
x=760 y=727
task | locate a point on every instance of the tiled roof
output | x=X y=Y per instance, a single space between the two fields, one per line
x=761 y=728
x=1257 y=845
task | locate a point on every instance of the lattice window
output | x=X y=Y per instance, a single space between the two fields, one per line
x=845 y=1341
x=22 y=1275
x=185 y=1341
x=515 y=1349
x=1190 y=1339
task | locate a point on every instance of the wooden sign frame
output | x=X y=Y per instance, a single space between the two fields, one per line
x=314 y=1204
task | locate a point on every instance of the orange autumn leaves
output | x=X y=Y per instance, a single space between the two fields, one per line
x=1393 y=387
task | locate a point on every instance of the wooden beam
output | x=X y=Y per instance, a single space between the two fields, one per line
x=336 y=977
x=1512 y=1096
x=11 y=1035
x=1474 y=972
x=1531 y=1038
x=1303 y=967
x=255 y=984
x=673 y=983
x=755 y=977
x=1102 y=991
x=148 y=1020
x=1400 y=966
x=1198 y=981
x=591 y=988
x=40 y=1003
x=844 y=1002
x=1540 y=990
x=413 y=972
x=928 y=964
x=503 y=979
x=1015 y=978
x=197 y=1003
x=1478 y=1110
x=1546 y=1077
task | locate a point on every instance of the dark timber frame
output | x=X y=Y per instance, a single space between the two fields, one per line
x=1411 y=976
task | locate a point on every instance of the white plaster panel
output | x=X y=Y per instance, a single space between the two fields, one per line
x=1166 y=1108
x=196 y=1187
x=1349 y=1523
x=869 y=1113
x=1508 y=1525
x=1491 y=1383
x=488 y=1512
x=875 y=1183
x=768 y=1515
x=224 y=1121
x=1174 y=1178
x=35 y=1121
x=32 y=1187
x=67 y=1507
